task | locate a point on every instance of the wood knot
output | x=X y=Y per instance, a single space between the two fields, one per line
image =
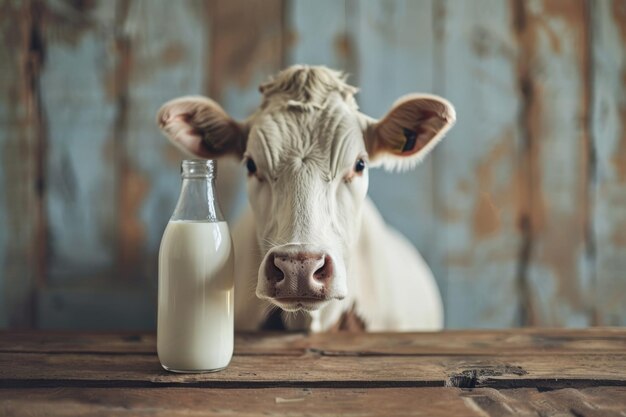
x=473 y=377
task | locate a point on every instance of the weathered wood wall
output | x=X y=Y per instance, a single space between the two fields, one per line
x=520 y=211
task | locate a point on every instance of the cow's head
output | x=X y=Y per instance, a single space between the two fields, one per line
x=307 y=151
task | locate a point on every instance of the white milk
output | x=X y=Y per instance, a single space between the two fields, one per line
x=195 y=319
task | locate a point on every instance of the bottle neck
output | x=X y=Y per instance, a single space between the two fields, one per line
x=197 y=201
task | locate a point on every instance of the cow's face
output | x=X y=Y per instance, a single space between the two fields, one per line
x=307 y=180
x=307 y=151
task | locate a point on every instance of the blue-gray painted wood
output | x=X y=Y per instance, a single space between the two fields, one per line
x=99 y=306
x=319 y=34
x=395 y=56
x=559 y=273
x=475 y=167
x=80 y=109
x=20 y=147
x=609 y=138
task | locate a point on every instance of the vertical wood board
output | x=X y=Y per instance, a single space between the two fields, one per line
x=78 y=95
x=477 y=180
x=558 y=274
x=609 y=138
x=21 y=145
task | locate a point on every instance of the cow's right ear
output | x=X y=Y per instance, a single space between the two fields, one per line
x=200 y=127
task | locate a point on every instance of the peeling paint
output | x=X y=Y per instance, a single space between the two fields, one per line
x=131 y=229
x=246 y=37
x=494 y=197
x=556 y=168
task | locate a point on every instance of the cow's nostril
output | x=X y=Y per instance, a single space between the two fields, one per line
x=325 y=271
x=273 y=272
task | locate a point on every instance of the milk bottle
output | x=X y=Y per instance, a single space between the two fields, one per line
x=195 y=315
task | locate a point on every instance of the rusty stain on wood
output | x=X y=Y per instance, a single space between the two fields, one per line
x=24 y=150
x=173 y=54
x=245 y=36
x=477 y=180
x=132 y=186
x=554 y=233
x=504 y=197
x=344 y=46
x=609 y=134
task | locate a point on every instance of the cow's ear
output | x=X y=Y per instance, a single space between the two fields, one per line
x=413 y=126
x=200 y=127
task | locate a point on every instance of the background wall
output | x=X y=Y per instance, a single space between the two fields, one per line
x=520 y=212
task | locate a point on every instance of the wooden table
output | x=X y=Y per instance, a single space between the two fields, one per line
x=460 y=373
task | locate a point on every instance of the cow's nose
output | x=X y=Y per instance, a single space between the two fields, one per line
x=299 y=274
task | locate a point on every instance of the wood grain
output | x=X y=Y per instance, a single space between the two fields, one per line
x=312 y=370
x=609 y=140
x=292 y=402
x=481 y=359
x=22 y=147
x=544 y=342
x=80 y=159
x=529 y=372
x=553 y=36
x=588 y=402
x=477 y=173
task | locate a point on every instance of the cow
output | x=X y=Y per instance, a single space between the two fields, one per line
x=311 y=249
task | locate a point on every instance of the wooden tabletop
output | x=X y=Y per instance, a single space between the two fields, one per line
x=464 y=373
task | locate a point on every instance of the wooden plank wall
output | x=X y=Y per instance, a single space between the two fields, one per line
x=519 y=212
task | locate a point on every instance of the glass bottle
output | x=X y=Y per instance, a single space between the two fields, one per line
x=195 y=327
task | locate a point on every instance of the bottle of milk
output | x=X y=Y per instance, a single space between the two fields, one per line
x=195 y=318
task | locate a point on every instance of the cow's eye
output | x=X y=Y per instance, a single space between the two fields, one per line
x=359 y=166
x=251 y=166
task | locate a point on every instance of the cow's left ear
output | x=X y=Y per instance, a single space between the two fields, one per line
x=413 y=126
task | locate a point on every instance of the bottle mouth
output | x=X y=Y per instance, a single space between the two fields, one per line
x=198 y=168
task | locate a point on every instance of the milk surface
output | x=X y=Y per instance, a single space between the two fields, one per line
x=195 y=315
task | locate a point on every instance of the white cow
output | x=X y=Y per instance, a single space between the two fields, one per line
x=311 y=242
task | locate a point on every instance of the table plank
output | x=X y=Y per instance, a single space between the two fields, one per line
x=462 y=342
x=473 y=342
x=317 y=370
x=292 y=402
x=138 y=343
x=296 y=402
x=587 y=402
